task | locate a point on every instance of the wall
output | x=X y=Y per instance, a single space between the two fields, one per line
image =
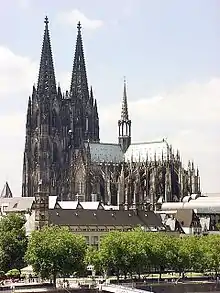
x=183 y=288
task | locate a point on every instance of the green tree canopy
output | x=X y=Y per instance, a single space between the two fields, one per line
x=13 y=273
x=55 y=251
x=13 y=242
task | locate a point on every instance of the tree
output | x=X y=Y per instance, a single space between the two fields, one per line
x=113 y=253
x=125 y=252
x=13 y=242
x=55 y=251
x=212 y=252
x=159 y=243
x=14 y=273
x=93 y=258
x=139 y=251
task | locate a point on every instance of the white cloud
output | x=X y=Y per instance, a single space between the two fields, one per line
x=12 y=129
x=74 y=16
x=24 y=4
x=17 y=73
x=65 y=79
x=188 y=117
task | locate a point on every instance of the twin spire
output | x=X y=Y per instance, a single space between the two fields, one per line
x=79 y=85
x=46 y=79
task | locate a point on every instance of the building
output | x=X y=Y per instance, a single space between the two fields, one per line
x=205 y=210
x=93 y=220
x=64 y=157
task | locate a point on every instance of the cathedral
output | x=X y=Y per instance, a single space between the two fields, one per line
x=63 y=155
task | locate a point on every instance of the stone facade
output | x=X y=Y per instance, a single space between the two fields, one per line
x=63 y=154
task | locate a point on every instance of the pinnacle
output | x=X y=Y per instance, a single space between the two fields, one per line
x=124 y=110
x=6 y=191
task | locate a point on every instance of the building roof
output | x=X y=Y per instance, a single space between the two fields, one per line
x=91 y=205
x=52 y=201
x=172 y=206
x=6 y=191
x=209 y=210
x=111 y=207
x=105 y=218
x=199 y=205
x=212 y=194
x=69 y=205
x=147 y=151
x=16 y=204
x=106 y=152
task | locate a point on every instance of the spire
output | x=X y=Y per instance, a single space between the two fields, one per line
x=124 y=110
x=46 y=79
x=28 y=123
x=124 y=124
x=91 y=96
x=79 y=86
x=96 y=108
x=6 y=191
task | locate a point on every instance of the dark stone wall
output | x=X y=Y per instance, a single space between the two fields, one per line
x=183 y=288
x=156 y=288
x=70 y=290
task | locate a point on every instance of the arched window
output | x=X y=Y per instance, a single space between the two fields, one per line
x=54 y=118
x=55 y=153
x=36 y=120
x=35 y=155
x=79 y=182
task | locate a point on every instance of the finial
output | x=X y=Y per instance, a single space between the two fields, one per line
x=124 y=80
x=46 y=21
x=79 y=26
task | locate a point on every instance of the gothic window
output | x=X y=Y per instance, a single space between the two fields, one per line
x=36 y=122
x=80 y=191
x=87 y=124
x=54 y=118
x=55 y=153
x=35 y=155
x=79 y=183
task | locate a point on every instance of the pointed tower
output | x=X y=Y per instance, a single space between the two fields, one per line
x=26 y=182
x=96 y=122
x=6 y=191
x=79 y=86
x=85 y=122
x=124 y=124
x=46 y=80
x=42 y=155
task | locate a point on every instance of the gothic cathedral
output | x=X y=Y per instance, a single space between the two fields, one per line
x=63 y=154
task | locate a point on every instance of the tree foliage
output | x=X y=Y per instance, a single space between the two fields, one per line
x=55 y=251
x=13 y=242
x=138 y=252
x=14 y=273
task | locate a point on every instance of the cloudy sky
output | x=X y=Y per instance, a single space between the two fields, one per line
x=169 y=52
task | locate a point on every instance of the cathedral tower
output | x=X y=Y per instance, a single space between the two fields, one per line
x=42 y=145
x=85 y=120
x=124 y=124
